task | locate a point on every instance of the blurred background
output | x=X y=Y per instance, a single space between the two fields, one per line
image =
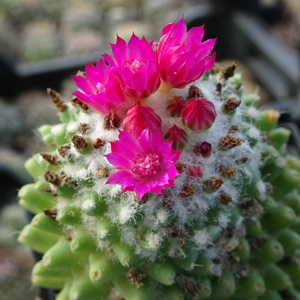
x=43 y=42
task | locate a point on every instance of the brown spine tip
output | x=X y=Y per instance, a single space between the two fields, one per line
x=173 y=232
x=225 y=198
x=213 y=184
x=76 y=102
x=68 y=238
x=243 y=160
x=218 y=90
x=51 y=213
x=229 y=71
x=216 y=183
x=204 y=149
x=167 y=201
x=229 y=142
x=216 y=68
x=112 y=121
x=67 y=180
x=180 y=167
x=134 y=277
x=189 y=286
x=231 y=104
x=55 y=98
x=52 y=178
x=46 y=189
x=98 y=144
x=79 y=142
x=228 y=172
x=65 y=151
x=102 y=172
x=83 y=128
x=187 y=191
x=233 y=129
x=194 y=92
x=51 y=159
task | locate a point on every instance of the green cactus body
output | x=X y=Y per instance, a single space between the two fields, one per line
x=228 y=228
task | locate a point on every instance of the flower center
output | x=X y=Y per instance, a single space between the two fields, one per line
x=134 y=65
x=146 y=164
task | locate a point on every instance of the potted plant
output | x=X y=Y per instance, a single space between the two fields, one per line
x=164 y=181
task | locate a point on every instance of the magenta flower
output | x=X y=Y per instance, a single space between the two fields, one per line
x=198 y=114
x=144 y=164
x=139 y=118
x=182 y=57
x=100 y=89
x=136 y=66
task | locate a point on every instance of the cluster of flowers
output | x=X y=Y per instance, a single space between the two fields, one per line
x=135 y=71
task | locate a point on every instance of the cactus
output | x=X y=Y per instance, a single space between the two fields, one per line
x=163 y=181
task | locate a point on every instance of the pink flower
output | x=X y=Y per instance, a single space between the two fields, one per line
x=139 y=118
x=100 y=90
x=136 y=66
x=198 y=114
x=182 y=57
x=144 y=164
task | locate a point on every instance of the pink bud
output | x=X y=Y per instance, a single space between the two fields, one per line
x=175 y=105
x=198 y=114
x=204 y=149
x=195 y=171
x=178 y=136
x=139 y=118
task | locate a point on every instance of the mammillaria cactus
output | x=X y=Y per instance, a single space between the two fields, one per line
x=163 y=182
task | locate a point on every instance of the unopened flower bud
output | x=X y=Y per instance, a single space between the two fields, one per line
x=139 y=118
x=195 y=171
x=178 y=136
x=175 y=105
x=204 y=149
x=198 y=114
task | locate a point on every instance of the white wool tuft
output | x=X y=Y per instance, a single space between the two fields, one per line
x=89 y=204
x=202 y=238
